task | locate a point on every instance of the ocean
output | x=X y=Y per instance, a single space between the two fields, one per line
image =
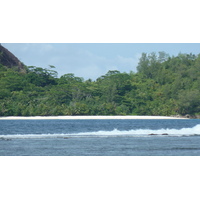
x=100 y=137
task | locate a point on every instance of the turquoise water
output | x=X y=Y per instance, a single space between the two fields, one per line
x=100 y=137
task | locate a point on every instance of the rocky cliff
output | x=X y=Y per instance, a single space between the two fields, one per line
x=9 y=60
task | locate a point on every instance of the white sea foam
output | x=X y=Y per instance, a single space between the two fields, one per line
x=146 y=132
x=114 y=133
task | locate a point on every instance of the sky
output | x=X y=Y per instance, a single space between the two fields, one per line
x=92 y=60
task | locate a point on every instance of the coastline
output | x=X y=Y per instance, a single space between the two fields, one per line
x=86 y=117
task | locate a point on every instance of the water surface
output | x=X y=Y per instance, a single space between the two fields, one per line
x=100 y=137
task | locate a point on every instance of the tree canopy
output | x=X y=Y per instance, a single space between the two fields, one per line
x=163 y=85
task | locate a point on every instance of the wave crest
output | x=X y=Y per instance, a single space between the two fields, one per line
x=194 y=131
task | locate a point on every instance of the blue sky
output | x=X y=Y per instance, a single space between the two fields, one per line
x=91 y=60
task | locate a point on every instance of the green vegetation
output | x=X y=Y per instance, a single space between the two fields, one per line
x=163 y=85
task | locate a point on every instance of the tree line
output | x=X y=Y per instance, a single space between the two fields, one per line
x=163 y=85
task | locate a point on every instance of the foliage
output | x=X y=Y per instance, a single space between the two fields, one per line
x=163 y=85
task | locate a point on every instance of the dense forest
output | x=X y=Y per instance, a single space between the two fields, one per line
x=163 y=85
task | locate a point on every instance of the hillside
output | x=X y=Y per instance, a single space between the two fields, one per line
x=10 y=60
x=162 y=86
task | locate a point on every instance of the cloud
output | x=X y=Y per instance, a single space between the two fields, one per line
x=126 y=64
x=92 y=66
x=81 y=63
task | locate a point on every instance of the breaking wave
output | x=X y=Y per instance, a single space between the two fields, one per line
x=194 y=131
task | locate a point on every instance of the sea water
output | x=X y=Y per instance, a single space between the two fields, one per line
x=102 y=137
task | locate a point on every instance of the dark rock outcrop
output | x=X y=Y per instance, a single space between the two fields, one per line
x=9 y=60
x=7 y=139
x=158 y=134
x=152 y=134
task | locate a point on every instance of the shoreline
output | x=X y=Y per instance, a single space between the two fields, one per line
x=86 y=117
